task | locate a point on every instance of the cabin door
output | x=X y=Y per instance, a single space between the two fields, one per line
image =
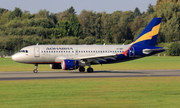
x=131 y=52
x=36 y=52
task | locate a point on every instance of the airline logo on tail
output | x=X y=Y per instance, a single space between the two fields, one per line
x=148 y=36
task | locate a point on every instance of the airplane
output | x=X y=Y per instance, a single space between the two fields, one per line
x=72 y=57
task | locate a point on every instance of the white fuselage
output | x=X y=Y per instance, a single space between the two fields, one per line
x=47 y=54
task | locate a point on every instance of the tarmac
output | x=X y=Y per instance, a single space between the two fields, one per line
x=77 y=74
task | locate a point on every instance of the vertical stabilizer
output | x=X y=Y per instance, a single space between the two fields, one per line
x=148 y=36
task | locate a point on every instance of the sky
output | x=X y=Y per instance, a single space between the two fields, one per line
x=55 y=6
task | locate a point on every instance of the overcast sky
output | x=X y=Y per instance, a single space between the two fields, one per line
x=55 y=6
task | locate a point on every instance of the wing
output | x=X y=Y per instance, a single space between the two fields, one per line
x=96 y=58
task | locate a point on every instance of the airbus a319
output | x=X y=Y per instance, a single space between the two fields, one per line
x=72 y=57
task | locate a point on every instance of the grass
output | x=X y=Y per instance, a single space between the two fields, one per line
x=139 y=92
x=148 y=63
x=146 y=92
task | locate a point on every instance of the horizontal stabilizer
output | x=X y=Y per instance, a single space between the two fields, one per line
x=148 y=51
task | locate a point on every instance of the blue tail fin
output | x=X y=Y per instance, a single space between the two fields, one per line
x=149 y=35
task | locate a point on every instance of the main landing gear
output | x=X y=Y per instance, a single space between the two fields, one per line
x=35 y=68
x=81 y=69
x=89 y=70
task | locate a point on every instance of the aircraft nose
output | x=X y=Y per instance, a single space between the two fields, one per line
x=15 y=57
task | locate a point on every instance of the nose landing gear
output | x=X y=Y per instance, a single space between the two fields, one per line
x=35 y=68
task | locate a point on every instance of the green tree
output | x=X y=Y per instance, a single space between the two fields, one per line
x=136 y=12
x=2 y=10
x=87 y=20
x=67 y=40
x=53 y=18
x=171 y=20
x=136 y=25
x=150 y=9
x=124 y=24
x=107 y=26
x=75 y=26
x=71 y=10
x=174 y=49
x=89 y=40
x=41 y=22
x=16 y=13
x=42 y=14
x=64 y=27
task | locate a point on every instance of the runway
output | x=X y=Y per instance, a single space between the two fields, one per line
x=76 y=74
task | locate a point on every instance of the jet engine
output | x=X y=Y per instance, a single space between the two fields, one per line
x=55 y=66
x=70 y=64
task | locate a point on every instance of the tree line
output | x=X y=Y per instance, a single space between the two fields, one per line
x=20 y=28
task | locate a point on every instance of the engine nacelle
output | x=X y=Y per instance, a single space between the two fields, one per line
x=55 y=66
x=70 y=64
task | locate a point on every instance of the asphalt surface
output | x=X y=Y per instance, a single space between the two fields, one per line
x=76 y=74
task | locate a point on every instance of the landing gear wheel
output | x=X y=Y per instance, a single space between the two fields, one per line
x=35 y=68
x=90 y=70
x=35 y=71
x=81 y=69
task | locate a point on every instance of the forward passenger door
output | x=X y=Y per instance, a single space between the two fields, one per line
x=36 y=52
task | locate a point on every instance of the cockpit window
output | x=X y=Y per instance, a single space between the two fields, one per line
x=23 y=51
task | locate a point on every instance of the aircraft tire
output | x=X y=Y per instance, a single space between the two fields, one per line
x=35 y=71
x=81 y=69
x=90 y=70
